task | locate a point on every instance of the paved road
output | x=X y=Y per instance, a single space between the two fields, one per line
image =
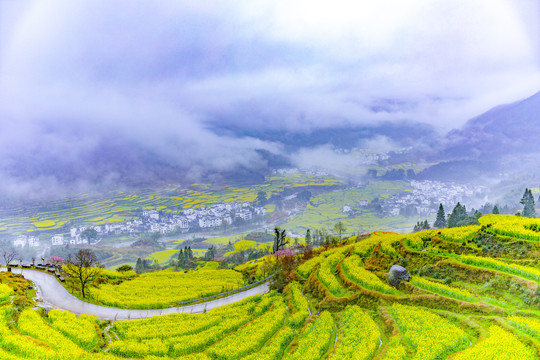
x=54 y=295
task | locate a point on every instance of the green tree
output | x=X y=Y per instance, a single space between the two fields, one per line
x=440 y=222
x=89 y=234
x=210 y=253
x=495 y=210
x=125 y=267
x=528 y=204
x=458 y=217
x=261 y=198
x=339 y=227
x=139 y=266
x=421 y=225
x=308 y=237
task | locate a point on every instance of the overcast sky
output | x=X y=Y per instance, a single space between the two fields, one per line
x=164 y=73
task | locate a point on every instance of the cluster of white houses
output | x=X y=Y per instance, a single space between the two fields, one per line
x=426 y=196
x=156 y=221
x=24 y=241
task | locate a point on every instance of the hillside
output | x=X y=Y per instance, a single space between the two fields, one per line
x=504 y=130
x=473 y=292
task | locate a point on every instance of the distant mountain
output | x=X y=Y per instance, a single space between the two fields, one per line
x=403 y=133
x=502 y=140
x=502 y=131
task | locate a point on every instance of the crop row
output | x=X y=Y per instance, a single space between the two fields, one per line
x=300 y=305
x=307 y=267
x=513 y=226
x=274 y=349
x=81 y=331
x=164 y=288
x=442 y=289
x=431 y=335
x=514 y=269
x=528 y=325
x=315 y=340
x=327 y=277
x=251 y=337
x=359 y=335
x=352 y=269
x=178 y=325
x=500 y=345
x=460 y=233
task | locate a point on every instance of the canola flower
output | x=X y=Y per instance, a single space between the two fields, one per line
x=460 y=233
x=388 y=242
x=300 y=305
x=59 y=347
x=513 y=226
x=164 y=288
x=395 y=352
x=251 y=337
x=185 y=334
x=358 y=336
x=500 y=345
x=305 y=269
x=81 y=331
x=274 y=350
x=353 y=271
x=315 y=340
x=528 y=325
x=327 y=277
x=5 y=293
x=442 y=289
x=364 y=248
x=514 y=269
x=431 y=335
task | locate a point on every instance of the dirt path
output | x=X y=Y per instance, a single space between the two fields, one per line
x=54 y=295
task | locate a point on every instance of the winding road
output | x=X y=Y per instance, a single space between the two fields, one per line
x=54 y=295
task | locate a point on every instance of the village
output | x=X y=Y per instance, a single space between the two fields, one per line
x=218 y=215
x=422 y=200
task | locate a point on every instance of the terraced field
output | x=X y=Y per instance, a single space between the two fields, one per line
x=472 y=295
x=324 y=210
x=120 y=207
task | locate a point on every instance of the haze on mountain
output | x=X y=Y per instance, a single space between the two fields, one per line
x=100 y=94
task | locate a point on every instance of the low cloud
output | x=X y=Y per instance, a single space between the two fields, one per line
x=93 y=91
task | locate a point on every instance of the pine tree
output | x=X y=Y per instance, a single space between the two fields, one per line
x=139 y=267
x=426 y=225
x=528 y=204
x=308 y=237
x=458 y=217
x=495 y=210
x=440 y=222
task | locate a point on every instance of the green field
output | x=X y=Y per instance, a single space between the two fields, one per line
x=326 y=209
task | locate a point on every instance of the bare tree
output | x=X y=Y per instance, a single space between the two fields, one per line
x=83 y=266
x=339 y=227
x=279 y=241
x=8 y=256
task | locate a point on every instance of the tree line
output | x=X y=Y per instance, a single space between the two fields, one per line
x=460 y=217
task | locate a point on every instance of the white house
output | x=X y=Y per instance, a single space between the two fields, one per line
x=20 y=241
x=57 y=240
x=33 y=241
x=152 y=214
